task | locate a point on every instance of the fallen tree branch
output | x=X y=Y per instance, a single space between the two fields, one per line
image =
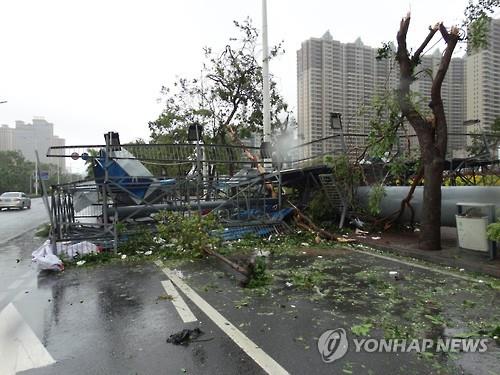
x=244 y=271
x=253 y=158
x=306 y=223
x=392 y=218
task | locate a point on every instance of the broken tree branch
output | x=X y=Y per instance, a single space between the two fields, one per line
x=416 y=56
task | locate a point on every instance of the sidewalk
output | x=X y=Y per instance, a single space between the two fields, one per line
x=406 y=244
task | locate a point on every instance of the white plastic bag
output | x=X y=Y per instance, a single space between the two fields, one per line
x=78 y=249
x=46 y=259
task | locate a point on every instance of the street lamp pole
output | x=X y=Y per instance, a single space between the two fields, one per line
x=266 y=110
x=36 y=177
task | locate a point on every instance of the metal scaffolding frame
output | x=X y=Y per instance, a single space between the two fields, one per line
x=203 y=178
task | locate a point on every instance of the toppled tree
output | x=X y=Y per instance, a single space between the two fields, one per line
x=432 y=130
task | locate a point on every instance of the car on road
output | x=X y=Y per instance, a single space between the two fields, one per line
x=13 y=199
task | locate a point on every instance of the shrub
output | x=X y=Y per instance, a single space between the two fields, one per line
x=493 y=231
x=182 y=235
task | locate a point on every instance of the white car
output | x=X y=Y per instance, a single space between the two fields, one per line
x=13 y=199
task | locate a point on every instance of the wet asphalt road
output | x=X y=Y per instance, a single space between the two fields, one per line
x=15 y=222
x=108 y=319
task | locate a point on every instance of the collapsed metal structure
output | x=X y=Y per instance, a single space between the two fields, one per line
x=189 y=178
x=133 y=181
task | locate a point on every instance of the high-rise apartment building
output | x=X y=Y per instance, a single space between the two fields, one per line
x=345 y=78
x=335 y=77
x=483 y=82
x=27 y=138
x=453 y=92
x=6 y=138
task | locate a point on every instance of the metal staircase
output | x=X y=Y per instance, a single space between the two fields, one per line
x=334 y=195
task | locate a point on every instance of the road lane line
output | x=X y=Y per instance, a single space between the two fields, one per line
x=15 y=284
x=260 y=357
x=20 y=348
x=184 y=311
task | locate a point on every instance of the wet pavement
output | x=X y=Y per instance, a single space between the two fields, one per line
x=287 y=321
x=115 y=318
x=15 y=222
x=406 y=243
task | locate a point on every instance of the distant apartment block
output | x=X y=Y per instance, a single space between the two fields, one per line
x=6 y=138
x=27 y=138
x=454 y=96
x=345 y=77
x=483 y=82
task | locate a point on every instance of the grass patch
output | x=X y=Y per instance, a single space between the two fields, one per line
x=43 y=231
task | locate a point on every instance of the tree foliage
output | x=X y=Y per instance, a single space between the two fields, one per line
x=477 y=22
x=17 y=173
x=227 y=95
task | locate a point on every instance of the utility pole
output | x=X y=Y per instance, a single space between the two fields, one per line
x=266 y=111
x=36 y=176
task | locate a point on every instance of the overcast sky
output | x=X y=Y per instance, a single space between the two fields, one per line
x=97 y=65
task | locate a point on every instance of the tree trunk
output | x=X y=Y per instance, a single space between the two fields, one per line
x=431 y=132
x=430 y=234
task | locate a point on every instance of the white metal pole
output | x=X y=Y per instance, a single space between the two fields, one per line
x=36 y=177
x=266 y=110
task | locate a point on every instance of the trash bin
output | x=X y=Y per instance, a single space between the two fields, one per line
x=472 y=224
x=472 y=232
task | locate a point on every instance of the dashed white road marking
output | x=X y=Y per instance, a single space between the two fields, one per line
x=184 y=311
x=20 y=348
x=268 y=364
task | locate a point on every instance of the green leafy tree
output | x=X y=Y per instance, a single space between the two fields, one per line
x=15 y=172
x=485 y=144
x=431 y=130
x=226 y=98
x=18 y=173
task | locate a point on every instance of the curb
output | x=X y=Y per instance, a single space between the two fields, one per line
x=423 y=256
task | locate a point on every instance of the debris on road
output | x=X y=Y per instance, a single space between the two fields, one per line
x=77 y=249
x=396 y=275
x=179 y=274
x=360 y=232
x=185 y=336
x=166 y=297
x=81 y=262
x=45 y=258
x=318 y=291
